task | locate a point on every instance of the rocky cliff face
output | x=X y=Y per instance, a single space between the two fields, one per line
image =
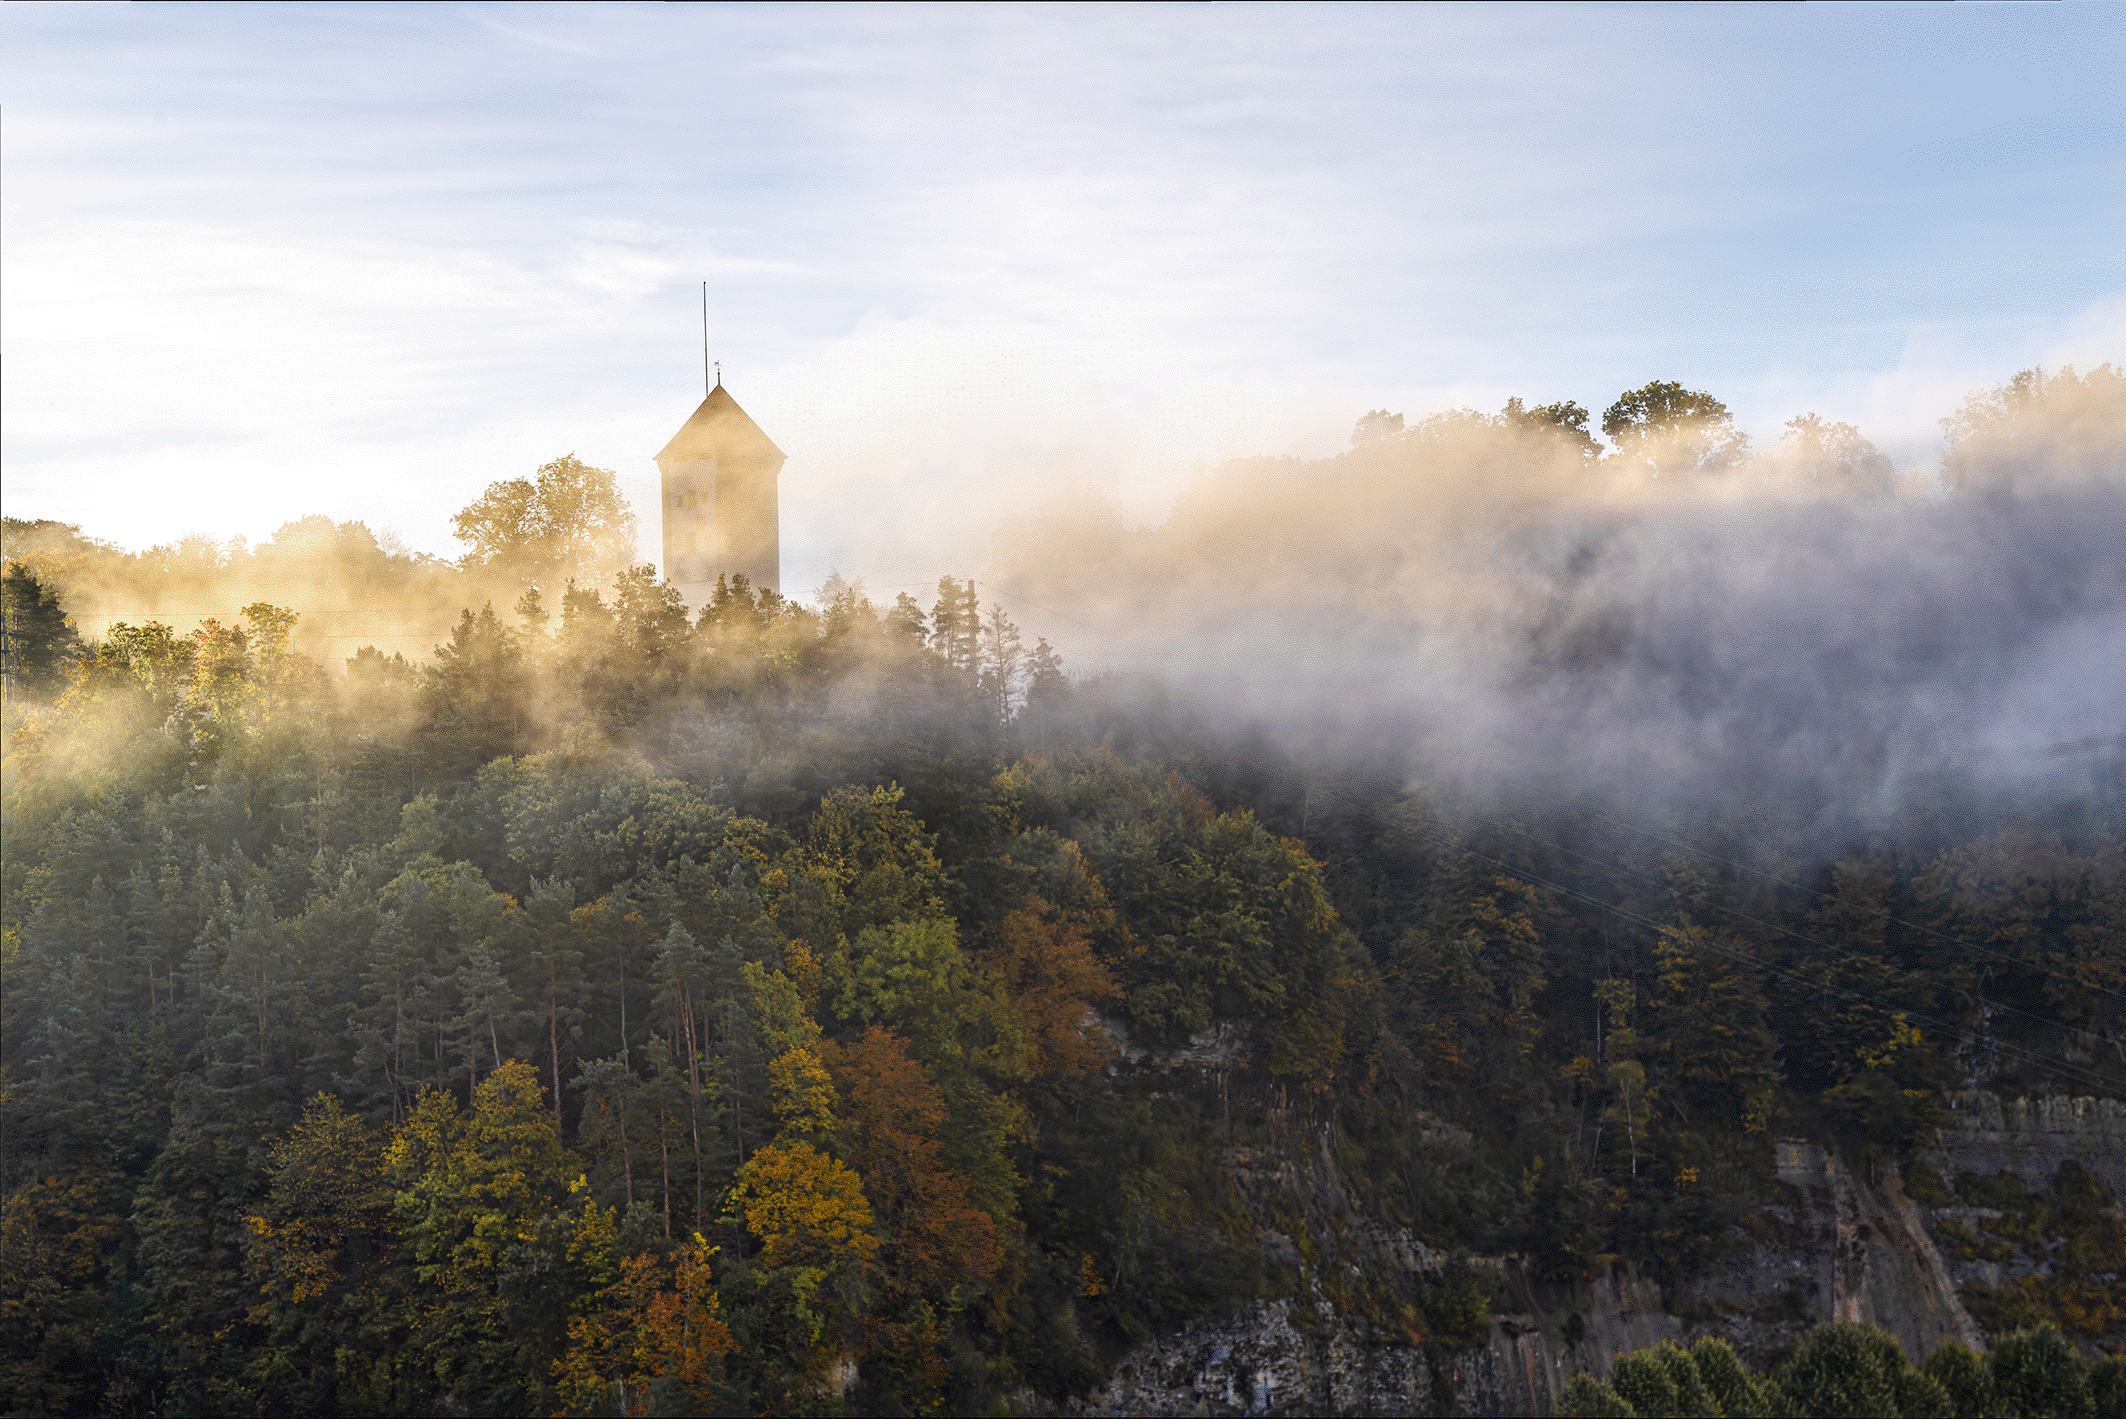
x=2024 y=1209
x=1837 y=1245
x=2032 y=1137
x=1304 y=1356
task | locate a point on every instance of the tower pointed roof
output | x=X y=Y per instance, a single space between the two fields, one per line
x=718 y=429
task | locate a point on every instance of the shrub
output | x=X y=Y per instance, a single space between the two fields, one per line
x=1643 y=1380
x=2035 y=1372
x=1844 y=1371
x=2107 y=1388
x=1730 y=1388
x=1588 y=1398
x=1962 y=1377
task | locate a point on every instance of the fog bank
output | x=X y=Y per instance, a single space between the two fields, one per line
x=1795 y=635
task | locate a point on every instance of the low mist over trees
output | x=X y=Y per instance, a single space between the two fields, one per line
x=351 y=586
x=1833 y=459
x=1802 y=625
x=616 y=1007
x=2043 y=429
x=1563 y=419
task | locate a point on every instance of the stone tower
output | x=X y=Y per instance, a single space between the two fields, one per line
x=720 y=507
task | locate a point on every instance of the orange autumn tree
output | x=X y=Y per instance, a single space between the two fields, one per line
x=940 y=1245
x=651 y=1322
x=1044 y=961
x=938 y=1239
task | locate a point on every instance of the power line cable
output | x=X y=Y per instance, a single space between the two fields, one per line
x=1050 y=610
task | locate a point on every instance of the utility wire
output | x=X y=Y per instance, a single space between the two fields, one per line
x=227 y=611
x=1049 y=610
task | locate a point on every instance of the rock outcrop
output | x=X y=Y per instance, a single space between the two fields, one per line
x=1982 y=1133
x=1837 y=1245
x=1304 y=1357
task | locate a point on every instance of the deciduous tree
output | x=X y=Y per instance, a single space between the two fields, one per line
x=1663 y=429
x=568 y=521
x=805 y=1207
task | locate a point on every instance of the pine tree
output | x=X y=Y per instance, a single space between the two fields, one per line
x=1003 y=663
x=553 y=971
x=682 y=976
x=255 y=1008
x=35 y=634
x=387 y=1031
x=612 y=1124
x=474 y=696
x=956 y=628
x=487 y=1010
x=906 y=621
x=1046 y=689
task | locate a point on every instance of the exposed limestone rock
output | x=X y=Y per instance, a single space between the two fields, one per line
x=1982 y=1133
x=1840 y=1248
x=1295 y=1356
x=1279 y=1357
x=2002 y=1264
x=1217 y=1048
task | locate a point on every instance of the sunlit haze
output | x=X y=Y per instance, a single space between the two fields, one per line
x=1340 y=709
x=267 y=261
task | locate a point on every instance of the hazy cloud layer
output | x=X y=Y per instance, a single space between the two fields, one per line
x=1497 y=611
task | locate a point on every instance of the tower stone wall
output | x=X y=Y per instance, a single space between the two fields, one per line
x=721 y=504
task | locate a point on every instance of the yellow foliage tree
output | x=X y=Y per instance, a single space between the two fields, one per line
x=805 y=1097
x=327 y=1196
x=470 y=1188
x=806 y=1208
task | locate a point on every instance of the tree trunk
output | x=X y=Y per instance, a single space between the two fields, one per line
x=664 y=1153
x=686 y=1013
x=553 y=1045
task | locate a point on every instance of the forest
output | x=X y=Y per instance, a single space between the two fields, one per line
x=840 y=1006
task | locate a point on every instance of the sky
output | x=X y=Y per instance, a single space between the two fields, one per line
x=267 y=261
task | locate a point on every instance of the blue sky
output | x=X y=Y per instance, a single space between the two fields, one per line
x=263 y=261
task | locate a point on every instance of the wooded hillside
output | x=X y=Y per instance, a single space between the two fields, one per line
x=629 y=1011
